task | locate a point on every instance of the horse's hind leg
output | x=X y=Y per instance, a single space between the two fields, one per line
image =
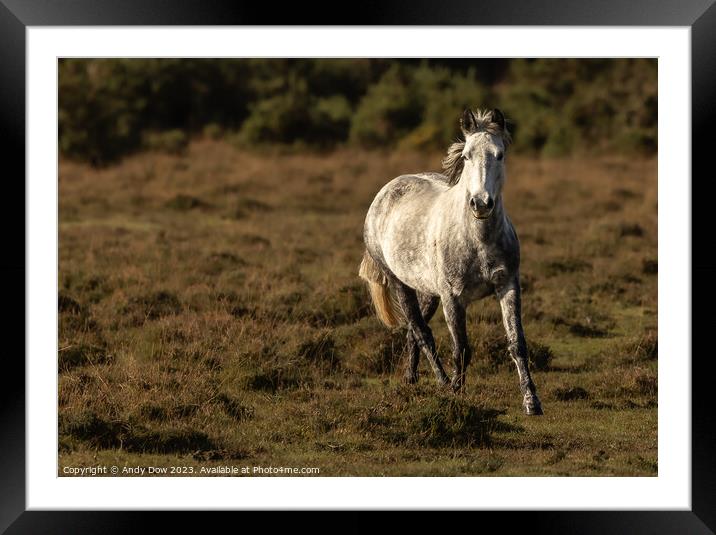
x=455 y=317
x=428 y=305
x=408 y=301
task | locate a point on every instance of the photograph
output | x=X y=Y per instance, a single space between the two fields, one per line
x=397 y=259
x=334 y=267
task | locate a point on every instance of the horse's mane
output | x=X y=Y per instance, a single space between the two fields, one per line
x=453 y=163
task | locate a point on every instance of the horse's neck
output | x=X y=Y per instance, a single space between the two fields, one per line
x=488 y=231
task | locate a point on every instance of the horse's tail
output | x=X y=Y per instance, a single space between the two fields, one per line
x=385 y=307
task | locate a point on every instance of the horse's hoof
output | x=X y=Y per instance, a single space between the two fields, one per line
x=457 y=384
x=533 y=407
x=410 y=379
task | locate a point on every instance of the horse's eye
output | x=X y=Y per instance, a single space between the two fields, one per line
x=465 y=157
x=500 y=155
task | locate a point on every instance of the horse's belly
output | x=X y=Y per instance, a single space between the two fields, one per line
x=406 y=248
x=477 y=291
x=411 y=270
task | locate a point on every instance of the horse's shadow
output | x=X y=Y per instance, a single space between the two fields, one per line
x=438 y=422
x=463 y=426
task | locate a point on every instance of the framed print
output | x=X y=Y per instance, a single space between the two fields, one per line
x=236 y=238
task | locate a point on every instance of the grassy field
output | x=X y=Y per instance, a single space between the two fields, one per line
x=211 y=315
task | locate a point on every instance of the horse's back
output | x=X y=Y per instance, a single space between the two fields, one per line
x=408 y=188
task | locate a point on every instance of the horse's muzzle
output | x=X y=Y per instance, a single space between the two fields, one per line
x=480 y=215
x=481 y=208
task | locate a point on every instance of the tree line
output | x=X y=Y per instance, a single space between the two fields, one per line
x=109 y=108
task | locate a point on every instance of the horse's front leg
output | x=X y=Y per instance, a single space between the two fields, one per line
x=455 y=318
x=511 y=304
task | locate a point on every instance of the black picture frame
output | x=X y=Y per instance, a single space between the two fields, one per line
x=17 y=15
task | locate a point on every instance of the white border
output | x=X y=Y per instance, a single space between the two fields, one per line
x=670 y=490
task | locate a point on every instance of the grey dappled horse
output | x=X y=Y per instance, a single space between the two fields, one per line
x=431 y=237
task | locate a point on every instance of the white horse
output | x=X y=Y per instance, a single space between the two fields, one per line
x=432 y=237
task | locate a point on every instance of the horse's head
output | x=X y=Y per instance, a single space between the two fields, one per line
x=483 y=159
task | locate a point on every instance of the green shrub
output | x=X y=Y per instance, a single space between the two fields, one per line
x=213 y=131
x=331 y=119
x=294 y=116
x=105 y=105
x=170 y=141
x=390 y=110
x=348 y=78
x=560 y=142
x=585 y=105
x=100 y=107
x=443 y=97
x=278 y=119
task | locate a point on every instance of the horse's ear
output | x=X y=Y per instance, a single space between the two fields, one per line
x=497 y=117
x=468 y=122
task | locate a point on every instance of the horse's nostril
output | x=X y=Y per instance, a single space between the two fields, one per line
x=478 y=204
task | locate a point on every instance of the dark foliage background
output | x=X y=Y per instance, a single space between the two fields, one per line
x=109 y=108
